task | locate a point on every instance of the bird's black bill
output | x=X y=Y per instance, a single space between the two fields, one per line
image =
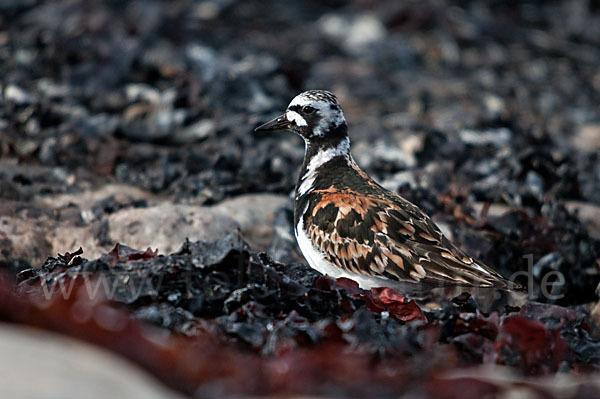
x=279 y=123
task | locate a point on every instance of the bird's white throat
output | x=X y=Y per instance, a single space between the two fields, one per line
x=320 y=159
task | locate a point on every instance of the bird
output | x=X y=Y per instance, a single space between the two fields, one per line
x=348 y=225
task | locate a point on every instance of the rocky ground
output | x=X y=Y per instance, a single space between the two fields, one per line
x=132 y=122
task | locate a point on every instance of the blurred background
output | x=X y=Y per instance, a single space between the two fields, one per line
x=155 y=94
x=132 y=121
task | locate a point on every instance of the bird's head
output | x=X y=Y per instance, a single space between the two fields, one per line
x=315 y=115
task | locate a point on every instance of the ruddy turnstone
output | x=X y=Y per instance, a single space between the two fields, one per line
x=347 y=225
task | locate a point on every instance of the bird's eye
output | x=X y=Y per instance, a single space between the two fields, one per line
x=308 y=109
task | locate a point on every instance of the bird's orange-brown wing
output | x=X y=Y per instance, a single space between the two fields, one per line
x=387 y=236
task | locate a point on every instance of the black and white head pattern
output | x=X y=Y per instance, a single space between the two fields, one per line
x=314 y=113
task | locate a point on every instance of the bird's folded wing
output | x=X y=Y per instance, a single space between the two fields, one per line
x=391 y=238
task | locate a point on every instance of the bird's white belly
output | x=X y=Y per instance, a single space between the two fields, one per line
x=314 y=257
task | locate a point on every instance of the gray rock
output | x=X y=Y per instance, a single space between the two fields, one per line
x=588 y=213
x=166 y=226
x=84 y=200
x=586 y=138
x=255 y=214
x=495 y=137
x=195 y=132
x=68 y=368
x=355 y=33
x=493 y=210
x=381 y=152
x=535 y=184
x=161 y=225
x=53 y=89
x=203 y=60
x=284 y=247
x=23 y=235
x=151 y=114
x=399 y=179
x=17 y=95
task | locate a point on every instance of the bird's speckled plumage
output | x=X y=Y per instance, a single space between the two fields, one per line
x=347 y=225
